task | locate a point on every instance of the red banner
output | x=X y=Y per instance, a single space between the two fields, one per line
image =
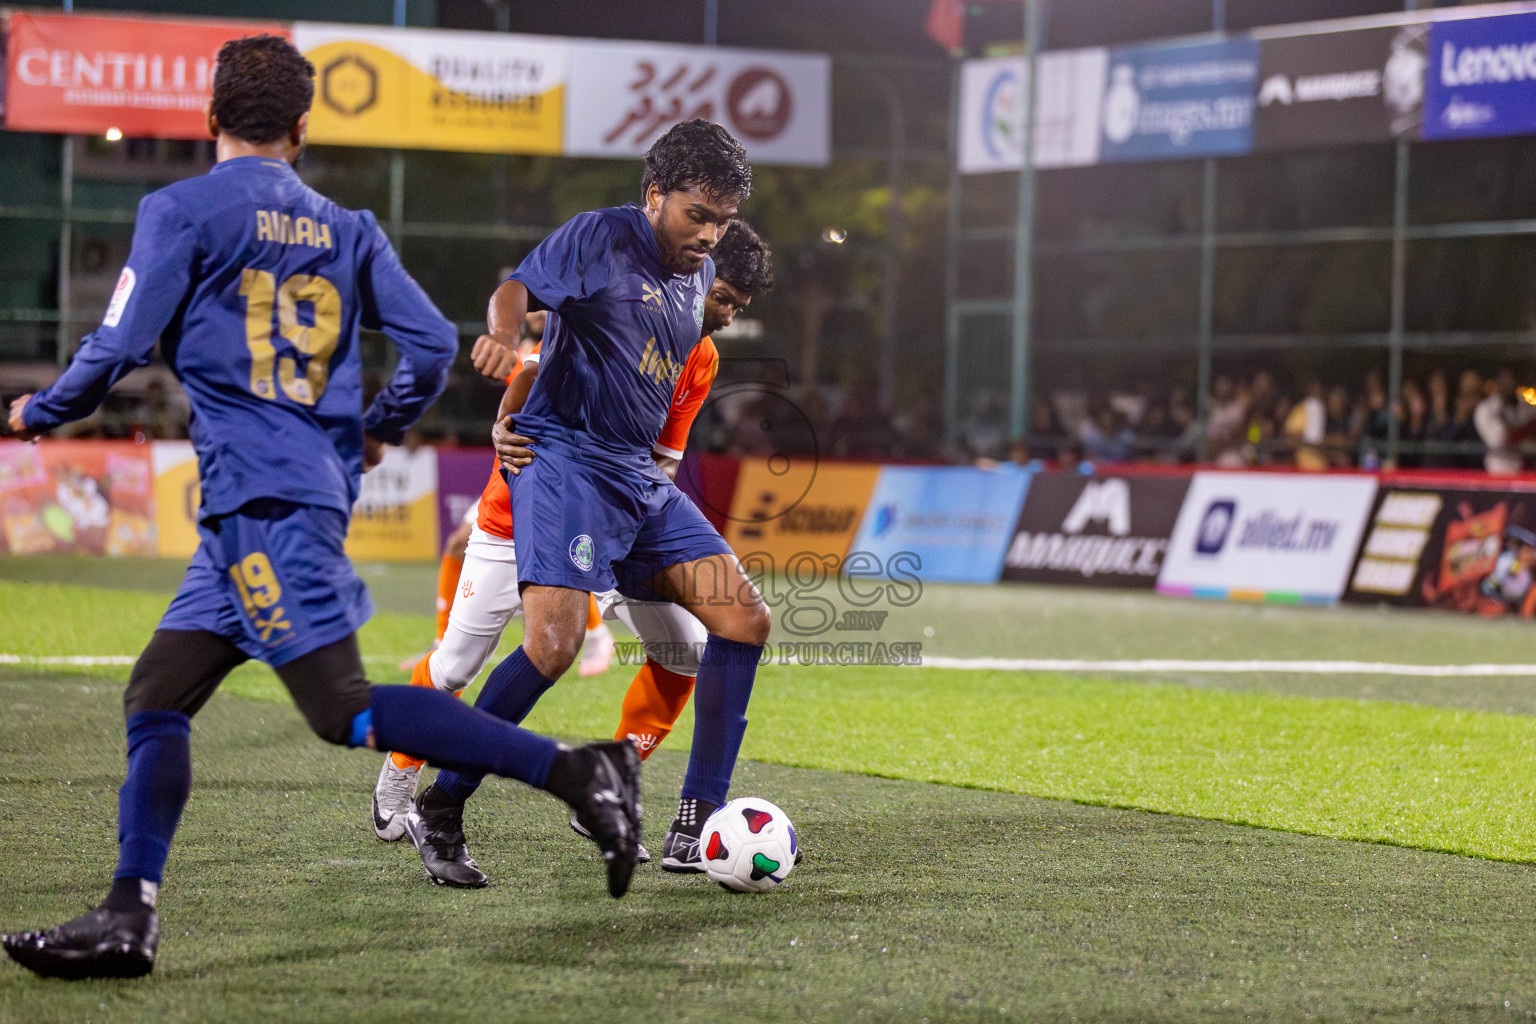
x=76 y=497
x=84 y=74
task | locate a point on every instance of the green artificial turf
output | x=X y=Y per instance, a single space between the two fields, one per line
x=1427 y=777
x=916 y=902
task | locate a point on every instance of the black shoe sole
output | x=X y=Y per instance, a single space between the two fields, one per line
x=682 y=870
x=80 y=966
x=446 y=884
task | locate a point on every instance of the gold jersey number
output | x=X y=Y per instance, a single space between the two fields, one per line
x=318 y=343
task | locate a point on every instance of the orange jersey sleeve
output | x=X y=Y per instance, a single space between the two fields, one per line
x=688 y=398
x=532 y=356
x=496 y=505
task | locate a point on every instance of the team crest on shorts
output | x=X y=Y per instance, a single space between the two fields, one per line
x=581 y=552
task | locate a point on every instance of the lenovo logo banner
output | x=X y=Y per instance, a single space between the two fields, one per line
x=85 y=74
x=1103 y=531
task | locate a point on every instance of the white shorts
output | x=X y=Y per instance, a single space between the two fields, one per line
x=487 y=598
x=485 y=601
x=672 y=636
x=472 y=514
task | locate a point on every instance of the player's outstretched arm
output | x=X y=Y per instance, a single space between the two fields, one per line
x=394 y=303
x=148 y=293
x=495 y=353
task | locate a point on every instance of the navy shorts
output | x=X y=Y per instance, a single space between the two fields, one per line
x=272 y=579
x=594 y=525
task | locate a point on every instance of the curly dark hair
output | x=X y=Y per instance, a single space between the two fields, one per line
x=698 y=154
x=261 y=87
x=742 y=260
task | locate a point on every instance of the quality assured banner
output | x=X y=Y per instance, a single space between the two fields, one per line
x=946 y=524
x=623 y=96
x=83 y=74
x=481 y=92
x=1283 y=537
x=1462 y=550
x=1163 y=102
x=1104 y=531
x=1482 y=78
x=1338 y=88
x=76 y=497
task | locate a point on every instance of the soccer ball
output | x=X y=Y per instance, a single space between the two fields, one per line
x=749 y=845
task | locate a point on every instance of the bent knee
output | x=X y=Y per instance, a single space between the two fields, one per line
x=752 y=624
x=554 y=651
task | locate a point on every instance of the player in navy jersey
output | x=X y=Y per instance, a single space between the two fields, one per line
x=592 y=512
x=256 y=286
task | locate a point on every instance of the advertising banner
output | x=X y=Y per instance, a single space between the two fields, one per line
x=1284 y=537
x=1463 y=550
x=1103 y=531
x=178 y=495
x=947 y=524
x=461 y=476
x=84 y=74
x=395 y=518
x=786 y=508
x=1165 y=102
x=76 y=498
x=1482 y=78
x=478 y=92
x=1069 y=96
x=1336 y=88
x=992 y=97
x=623 y=96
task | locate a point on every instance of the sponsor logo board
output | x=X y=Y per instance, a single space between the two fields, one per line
x=1336 y=88
x=1184 y=100
x=429 y=89
x=948 y=524
x=395 y=516
x=85 y=74
x=1069 y=89
x=784 y=508
x=1104 y=531
x=1267 y=536
x=1462 y=550
x=1482 y=78
x=623 y=96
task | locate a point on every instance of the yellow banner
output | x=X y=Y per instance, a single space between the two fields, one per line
x=783 y=508
x=478 y=92
x=178 y=493
x=395 y=518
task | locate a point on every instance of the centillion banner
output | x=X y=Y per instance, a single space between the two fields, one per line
x=477 y=92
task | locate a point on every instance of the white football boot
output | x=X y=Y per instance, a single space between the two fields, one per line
x=392 y=796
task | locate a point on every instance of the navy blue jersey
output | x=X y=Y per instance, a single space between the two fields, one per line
x=256 y=286
x=623 y=328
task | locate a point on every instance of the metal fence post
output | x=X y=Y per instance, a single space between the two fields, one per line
x=1207 y=313
x=1024 y=237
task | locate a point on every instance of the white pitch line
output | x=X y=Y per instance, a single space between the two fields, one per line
x=87 y=661
x=1364 y=668
x=1144 y=665
x=73 y=659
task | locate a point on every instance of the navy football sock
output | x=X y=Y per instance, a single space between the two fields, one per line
x=150 y=801
x=720 y=701
x=509 y=693
x=438 y=728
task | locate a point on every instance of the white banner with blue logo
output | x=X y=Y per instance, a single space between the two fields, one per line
x=1282 y=537
x=947 y=524
x=1482 y=78
x=1166 y=102
x=1069 y=92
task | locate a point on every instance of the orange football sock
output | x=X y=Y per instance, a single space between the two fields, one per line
x=447 y=585
x=655 y=698
x=594 y=617
x=421 y=675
